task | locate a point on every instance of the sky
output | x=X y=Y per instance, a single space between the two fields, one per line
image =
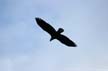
x=24 y=46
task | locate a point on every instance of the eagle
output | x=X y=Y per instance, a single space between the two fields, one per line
x=55 y=34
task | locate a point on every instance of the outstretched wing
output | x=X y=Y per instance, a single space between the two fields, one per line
x=63 y=39
x=45 y=26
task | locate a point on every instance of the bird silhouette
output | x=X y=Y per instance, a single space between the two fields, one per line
x=55 y=34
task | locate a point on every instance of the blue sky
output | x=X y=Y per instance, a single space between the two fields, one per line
x=24 y=46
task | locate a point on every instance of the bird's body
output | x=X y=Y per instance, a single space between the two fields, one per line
x=55 y=34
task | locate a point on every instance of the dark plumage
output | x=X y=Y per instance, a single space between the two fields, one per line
x=55 y=34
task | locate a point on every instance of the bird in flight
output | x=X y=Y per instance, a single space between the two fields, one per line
x=55 y=34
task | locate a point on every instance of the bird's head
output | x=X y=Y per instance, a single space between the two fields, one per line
x=60 y=30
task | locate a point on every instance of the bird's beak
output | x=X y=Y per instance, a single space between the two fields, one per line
x=51 y=39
